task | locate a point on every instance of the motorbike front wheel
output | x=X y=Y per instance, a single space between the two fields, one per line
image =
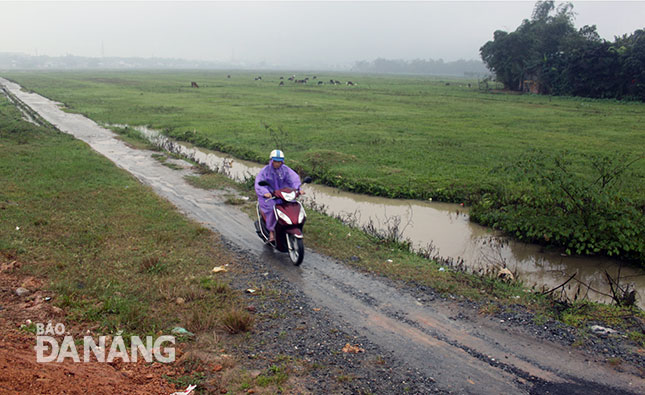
x=296 y=249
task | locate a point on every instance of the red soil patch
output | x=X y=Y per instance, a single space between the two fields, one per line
x=21 y=374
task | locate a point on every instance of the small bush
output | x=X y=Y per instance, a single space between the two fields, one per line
x=201 y=316
x=236 y=321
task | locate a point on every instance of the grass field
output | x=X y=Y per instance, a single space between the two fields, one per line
x=114 y=252
x=407 y=135
x=123 y=256
x=400 y=136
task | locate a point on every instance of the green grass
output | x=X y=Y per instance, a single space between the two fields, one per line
x=113 y=251
x=196 y=378
x=163 y=159
x=210 y=181
x=410 y=136
x=396 y=136
x=638 y=337
x=274 y=375
x=134 y=138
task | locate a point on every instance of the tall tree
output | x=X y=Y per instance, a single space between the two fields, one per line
x=520 y=54
x=547 y=49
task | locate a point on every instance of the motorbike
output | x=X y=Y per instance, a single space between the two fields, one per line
x=291 y=217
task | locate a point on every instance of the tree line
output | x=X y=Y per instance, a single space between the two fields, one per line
x=546 y=54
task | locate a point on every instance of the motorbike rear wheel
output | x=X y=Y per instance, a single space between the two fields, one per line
x=296 y=249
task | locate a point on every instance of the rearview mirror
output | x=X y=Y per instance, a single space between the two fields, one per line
x=263 y=183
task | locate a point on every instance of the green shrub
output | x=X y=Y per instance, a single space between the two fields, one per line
x=554 y=204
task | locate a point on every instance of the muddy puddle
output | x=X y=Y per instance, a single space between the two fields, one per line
x=441 y=229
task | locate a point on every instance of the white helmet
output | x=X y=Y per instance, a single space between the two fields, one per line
x=277 y=155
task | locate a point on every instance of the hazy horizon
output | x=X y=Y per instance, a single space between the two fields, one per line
x=287 y=34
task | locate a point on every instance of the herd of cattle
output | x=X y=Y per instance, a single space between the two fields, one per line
x=306 y=80
x=294 y=80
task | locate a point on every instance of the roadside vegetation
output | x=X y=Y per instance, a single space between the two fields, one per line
x=113 y=250
x=401 y=137
x=133 y=138
x=118 y=258
x=384 y=254
x=554 y=205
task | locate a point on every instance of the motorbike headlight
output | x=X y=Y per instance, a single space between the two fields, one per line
x=289 y=196
x=284 y=217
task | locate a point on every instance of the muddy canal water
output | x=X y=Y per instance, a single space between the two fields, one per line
x=442 y=228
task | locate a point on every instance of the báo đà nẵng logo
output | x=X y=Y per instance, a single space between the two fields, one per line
x=49 y=349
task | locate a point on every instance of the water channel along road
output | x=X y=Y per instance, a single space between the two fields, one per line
x=467 y=354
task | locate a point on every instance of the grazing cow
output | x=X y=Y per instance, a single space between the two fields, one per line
x=281 y=83
x=281 y=78
x=320 y=83
x=290 y=78
x=315 y=77
x=447 y=83
x=337 y=82
x=306 y=78
x=228 y=76
x=193 y=84
x=331 y=82
x=469 y=85
x=350 y=83
x=258 y=78
x=301 y=81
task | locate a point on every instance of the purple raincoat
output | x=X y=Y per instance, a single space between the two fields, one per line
x=277 y=179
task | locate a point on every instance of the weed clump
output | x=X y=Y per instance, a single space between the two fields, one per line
x=237 y=321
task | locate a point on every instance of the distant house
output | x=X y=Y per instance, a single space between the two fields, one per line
x=531 y=86
x=531 y=82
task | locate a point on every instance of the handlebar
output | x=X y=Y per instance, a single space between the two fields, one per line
x=264 y=183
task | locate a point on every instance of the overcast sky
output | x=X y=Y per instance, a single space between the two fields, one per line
x=303 y=33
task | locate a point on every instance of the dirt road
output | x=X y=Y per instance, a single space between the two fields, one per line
x=444 y=342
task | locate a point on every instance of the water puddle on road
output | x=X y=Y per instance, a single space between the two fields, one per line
x=442 y=228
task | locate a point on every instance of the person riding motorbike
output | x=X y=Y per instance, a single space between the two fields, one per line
x=278 y=176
